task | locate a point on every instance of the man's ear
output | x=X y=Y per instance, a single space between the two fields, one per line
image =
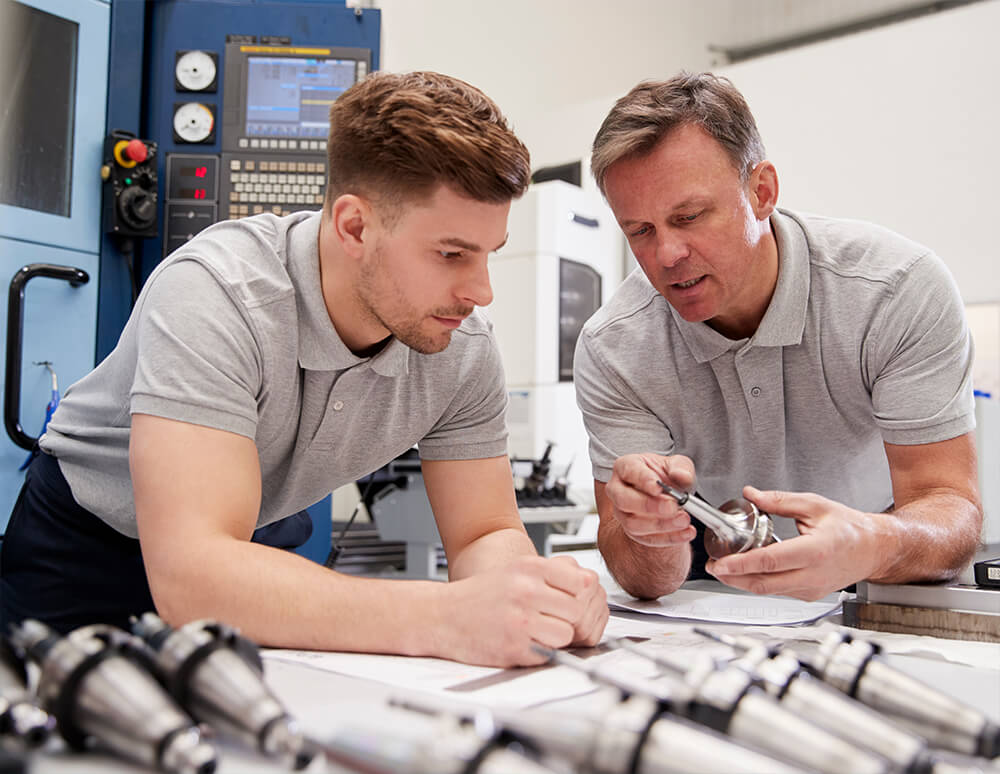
x=764 y=189
x=351 y=216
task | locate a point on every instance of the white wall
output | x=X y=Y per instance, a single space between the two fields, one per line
x=898 y=126
x=895 y=125
x=544 y=61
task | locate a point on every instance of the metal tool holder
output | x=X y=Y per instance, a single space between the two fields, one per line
x=732 y=528
x=854 y=667
x=217 y=676
x=634 y=735
x=724 y=697
x=782 y=675
x=449 y=746
x=20 y=718
x=97 y=683
x=673 y=696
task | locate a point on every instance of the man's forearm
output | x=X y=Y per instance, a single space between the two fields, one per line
x=280 y=599
x=929 y=539
x=645 y=572
x=935 y=527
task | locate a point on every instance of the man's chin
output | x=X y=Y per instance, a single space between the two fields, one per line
x=427 y=345
x=690 y=313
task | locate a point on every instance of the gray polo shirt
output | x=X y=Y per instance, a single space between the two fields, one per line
x=232 y=332
x=864 y=342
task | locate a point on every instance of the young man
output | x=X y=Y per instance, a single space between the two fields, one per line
x=826 y=360
x=271 y=360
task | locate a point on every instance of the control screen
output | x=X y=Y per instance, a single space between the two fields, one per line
x=290 y=97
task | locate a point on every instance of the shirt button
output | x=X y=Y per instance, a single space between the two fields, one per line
x=338 y=405
x=755 y=392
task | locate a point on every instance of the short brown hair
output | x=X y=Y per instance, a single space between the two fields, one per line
x=396 y=136
x=653 y=109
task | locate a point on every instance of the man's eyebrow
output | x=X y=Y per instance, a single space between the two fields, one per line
x=692 y=201
x=462 y=244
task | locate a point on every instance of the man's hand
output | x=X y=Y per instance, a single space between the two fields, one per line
x=647 y=515
x=494 y=617
x=836 y=547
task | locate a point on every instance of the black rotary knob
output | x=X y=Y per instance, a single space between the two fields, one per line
x=137 y=207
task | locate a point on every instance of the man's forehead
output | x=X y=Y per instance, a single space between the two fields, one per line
x=452 y=220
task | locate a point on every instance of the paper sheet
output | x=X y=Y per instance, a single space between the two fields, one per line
x=736 y=608
x=517 y=688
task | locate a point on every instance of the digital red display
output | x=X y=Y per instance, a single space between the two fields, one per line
x=191 y=177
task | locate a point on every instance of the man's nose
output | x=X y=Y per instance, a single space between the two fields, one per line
x=475 y=286
x=670 y=248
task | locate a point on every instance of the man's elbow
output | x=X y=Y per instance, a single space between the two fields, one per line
x=185 y=582
x=638 y=578
x=174 y=598
x=643 y=589
x=970 y=540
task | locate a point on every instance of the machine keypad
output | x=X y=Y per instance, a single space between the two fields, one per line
x=282 y=187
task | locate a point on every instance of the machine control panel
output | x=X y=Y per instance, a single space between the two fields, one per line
x=273 y=121
x=272 y=184
x=192 y=191
x=129 y=172
x=196 y=71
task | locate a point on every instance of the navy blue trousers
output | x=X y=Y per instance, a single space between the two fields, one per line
x=60 y=564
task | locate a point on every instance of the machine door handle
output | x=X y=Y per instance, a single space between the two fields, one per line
x=584 y=220
x=15 y=331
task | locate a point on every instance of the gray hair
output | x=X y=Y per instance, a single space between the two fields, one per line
x=651 y=110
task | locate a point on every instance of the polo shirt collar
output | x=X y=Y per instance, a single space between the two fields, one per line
x=785 y=318
x=320 y=346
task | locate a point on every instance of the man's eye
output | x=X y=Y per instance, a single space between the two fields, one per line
x=450 y=254
x=688 y=218
x=641 y=231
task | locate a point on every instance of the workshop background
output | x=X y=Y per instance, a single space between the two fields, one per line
x=127 y=126
x=876 y=109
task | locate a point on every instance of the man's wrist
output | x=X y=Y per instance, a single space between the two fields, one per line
x=431 y=612
x=882 y=536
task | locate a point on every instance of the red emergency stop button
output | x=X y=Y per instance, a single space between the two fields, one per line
x=136 y=150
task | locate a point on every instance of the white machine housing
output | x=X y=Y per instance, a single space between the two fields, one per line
x=534 y=311
x=988 y=456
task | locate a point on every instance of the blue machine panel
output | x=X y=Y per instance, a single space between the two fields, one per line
x=207 y=26
x=50 y=190
x=204 y=25
x=60 y=324
x=70 y=216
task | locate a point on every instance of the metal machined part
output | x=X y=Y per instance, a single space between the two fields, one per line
x=217 y=675
x=96 y=683
x=575 y=739
x=951 y=762
x=728 y=700
x=784 y=675
x=754 y=717
x=675 y=744
x=451 y=747
x=637 y=734
x=855 y=667
x=808 y=696
x=20 y=717
x=732 y=528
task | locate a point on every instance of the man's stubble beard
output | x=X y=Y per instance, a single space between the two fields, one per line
x=408 y=328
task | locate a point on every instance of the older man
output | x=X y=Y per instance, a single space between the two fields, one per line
x=825 y=363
